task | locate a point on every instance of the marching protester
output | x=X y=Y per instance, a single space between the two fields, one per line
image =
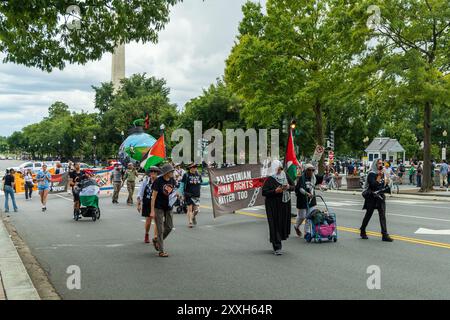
x=376 y=186
x=276 y=191
x=130 y=177
x=144 y=199
x=178 y=174
x=190 y=189
x=43 y=178
x=160 y=206
x=306 y=196
x=28 y=177
x=74 y=179
x=8 y=189
x=116 y=180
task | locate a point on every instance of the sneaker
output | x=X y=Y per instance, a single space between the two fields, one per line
x=146 y=239
x=278 y=253
x=363 y=235
x=387 y=238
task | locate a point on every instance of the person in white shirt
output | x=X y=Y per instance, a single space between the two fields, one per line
x=178 y=173
x=28 y=177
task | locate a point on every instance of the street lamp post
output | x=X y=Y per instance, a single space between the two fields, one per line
x=73 y=148
x=95 y=139
x=59 y=149
x=444 y=145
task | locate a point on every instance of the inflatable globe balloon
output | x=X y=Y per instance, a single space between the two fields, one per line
x=135 y=146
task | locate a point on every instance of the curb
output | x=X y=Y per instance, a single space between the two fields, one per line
x=17 y=284
x=404 y=196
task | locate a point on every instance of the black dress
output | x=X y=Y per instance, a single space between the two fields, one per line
x=374 y=201
x=278 y=212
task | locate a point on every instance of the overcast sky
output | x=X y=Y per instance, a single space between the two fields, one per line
x=190 y=55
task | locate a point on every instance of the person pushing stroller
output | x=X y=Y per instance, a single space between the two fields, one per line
x=306 y=196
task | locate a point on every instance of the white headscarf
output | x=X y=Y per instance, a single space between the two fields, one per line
x=281 y=178
x=374 y=169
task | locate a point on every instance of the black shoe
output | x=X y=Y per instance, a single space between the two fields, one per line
x=387 y=238
x=364 y=235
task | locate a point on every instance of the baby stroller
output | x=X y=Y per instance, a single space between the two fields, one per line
x=321 y=225
x=89 y=208
x=181 y=206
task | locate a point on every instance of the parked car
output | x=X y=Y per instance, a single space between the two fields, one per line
x=35 y=166
x=83 y=166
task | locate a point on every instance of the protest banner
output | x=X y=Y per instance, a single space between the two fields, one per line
x=58 y=182
x=103 y=179
x=236 y=187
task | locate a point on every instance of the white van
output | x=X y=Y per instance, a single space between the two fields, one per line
x=34 y=166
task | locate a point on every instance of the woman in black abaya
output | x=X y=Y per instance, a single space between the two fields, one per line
x=276 y=191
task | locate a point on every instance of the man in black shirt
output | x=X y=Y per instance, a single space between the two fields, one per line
x=75 y=178
x=161 y=208
x=190 y=189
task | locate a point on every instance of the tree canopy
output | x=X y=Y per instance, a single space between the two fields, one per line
x=47 y=34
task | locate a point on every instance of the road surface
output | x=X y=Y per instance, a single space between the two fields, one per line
x=231 y=258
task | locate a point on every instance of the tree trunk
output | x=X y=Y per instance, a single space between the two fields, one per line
x=427 y=182
x=319 y=132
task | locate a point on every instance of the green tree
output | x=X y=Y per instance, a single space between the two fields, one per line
x=217 y=107
x=58 y=109
x=294 y=59
x=45 y=34
x=139 y=95
x=413 y=38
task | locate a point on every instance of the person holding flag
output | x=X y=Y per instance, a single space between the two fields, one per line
x=290 y=160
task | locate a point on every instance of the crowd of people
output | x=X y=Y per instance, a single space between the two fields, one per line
x=163 y=187
x=277 y=192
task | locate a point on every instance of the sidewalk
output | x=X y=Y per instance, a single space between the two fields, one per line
x=16 y=282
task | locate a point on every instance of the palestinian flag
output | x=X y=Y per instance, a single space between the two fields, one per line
x=89 y=194
x=290 y=160
x=155 y=155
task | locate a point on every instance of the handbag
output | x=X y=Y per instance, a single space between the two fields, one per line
x=366 y=193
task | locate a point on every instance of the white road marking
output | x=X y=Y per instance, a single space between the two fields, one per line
x=65 y=198
x=433 y=232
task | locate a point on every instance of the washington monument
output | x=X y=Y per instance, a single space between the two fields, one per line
x=118 y=66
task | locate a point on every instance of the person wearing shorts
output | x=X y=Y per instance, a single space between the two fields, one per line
x=74 y=178
x=190 y=187
x=144 y=202
x=43 y=179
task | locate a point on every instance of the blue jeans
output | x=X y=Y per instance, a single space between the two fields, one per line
x=9 y=192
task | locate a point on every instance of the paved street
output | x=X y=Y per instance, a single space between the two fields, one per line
x=231 y=258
